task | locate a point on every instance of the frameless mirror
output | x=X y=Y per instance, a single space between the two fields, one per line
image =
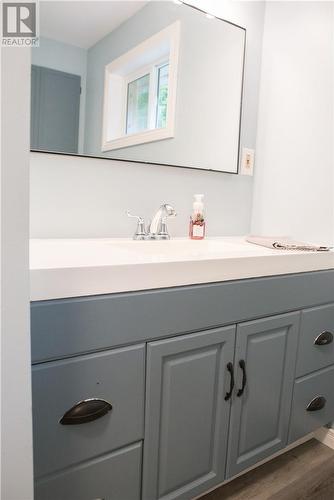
x=145 y=81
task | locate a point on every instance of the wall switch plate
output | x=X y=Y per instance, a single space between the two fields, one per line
x=247 y=161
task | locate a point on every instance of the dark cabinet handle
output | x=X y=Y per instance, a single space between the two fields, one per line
x=86 y=411
x=316 y=404
x=242 y=365
x=324 y=338
x=231 y=370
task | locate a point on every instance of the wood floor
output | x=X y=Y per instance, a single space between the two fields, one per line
x=304 y=473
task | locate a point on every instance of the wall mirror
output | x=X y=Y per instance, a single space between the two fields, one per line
x=146 y=81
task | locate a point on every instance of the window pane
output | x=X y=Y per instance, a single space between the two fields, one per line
x=163 y=73
x=137 y=105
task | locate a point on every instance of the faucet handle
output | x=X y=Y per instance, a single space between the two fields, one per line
x=163 y=234
x=140 y=233
x=129 y=214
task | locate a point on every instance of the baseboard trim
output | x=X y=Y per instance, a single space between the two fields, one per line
x=325 y=436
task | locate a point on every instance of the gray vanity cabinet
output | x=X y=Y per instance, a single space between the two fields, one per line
x=187 y=415
x=172 y=433
x=260 y=414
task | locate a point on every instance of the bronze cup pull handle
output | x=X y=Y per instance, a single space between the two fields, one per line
x=85 y=411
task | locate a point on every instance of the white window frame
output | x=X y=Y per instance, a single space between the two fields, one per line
x=116 y=85
x=160 y=64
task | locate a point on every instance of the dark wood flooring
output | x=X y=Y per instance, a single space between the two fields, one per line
x=304 y=473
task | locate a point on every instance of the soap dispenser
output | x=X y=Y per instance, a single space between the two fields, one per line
x=197 y=221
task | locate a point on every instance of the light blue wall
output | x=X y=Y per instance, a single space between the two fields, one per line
x=74 y=197
x=64 y=57
x=208 y=90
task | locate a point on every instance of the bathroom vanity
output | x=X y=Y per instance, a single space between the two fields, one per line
x=190 y=363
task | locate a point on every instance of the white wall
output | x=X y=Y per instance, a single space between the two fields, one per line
x=16 y=435
x=85 y=197
x=293 y=190
x=70 y=59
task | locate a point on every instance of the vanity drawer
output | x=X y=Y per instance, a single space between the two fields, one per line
x=313 y=403
x=316 y=345
x=115 y=477
x=116 y=377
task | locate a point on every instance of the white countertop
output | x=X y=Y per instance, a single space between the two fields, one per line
x=62 y=268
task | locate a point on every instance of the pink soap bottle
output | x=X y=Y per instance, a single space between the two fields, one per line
x=197 y=221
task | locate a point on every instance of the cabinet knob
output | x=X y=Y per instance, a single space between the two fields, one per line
x=316 y=404
x=324 y=338
x=86 y=411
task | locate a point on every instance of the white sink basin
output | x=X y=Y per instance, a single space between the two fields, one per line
x=76 y=267
x=77 y=252
x=180 y=248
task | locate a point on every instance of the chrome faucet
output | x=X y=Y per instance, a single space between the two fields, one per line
x=157 y=229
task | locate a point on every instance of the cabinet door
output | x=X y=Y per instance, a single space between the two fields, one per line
x=187 y=416
x=55 y=109
x=260 y=415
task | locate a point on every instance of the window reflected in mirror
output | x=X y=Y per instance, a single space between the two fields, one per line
x=140 y=92
x=137 y=113
x=147 y=100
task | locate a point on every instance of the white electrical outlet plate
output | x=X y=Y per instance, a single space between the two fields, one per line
x=247 y=161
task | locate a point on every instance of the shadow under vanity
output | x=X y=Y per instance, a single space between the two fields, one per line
x=204 y=381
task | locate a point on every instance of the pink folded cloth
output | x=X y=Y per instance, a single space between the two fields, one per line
x=285 y=243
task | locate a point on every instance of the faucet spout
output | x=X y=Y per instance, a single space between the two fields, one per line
x=158 y=226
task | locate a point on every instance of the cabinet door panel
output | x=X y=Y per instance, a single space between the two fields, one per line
x=307 y=389
x=260 y=416
x=187 y=416
x=116 y=476
x=313 y=356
